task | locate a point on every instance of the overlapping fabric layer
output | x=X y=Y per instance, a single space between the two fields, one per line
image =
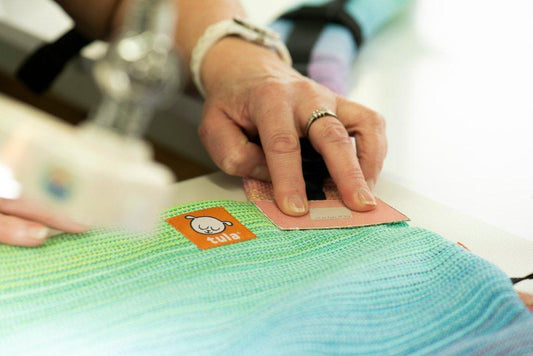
x=388 y=289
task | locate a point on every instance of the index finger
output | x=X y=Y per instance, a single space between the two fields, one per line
x=34 y=212
x=280 y=141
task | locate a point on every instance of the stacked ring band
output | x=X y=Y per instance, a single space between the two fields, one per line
x=318 y=114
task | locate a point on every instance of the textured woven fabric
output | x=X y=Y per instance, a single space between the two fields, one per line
x=332 y=55
x=388 y=289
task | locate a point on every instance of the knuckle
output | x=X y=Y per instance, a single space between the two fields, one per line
x=306 y=86
x=335 y=133
x=265 y=94
x=376 y=120
x=269 y=88
x=282 y=142
x=354 y=175
x=234 y=161
x=204 y=132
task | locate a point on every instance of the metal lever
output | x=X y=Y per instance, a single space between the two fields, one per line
x=140 y=70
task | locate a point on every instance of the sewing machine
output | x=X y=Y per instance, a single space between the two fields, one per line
x=102 y=173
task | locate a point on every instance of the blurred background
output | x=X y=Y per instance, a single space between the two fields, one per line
x=453 y=79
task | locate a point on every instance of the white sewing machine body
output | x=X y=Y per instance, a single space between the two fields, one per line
x=102 y=173
x=92 y=174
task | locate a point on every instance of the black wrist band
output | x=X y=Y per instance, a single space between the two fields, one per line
x=332 y=12
x=41 y=68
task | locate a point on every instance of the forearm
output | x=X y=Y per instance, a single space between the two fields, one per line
x=101 y=18
x=96 y=19
x=194 y=16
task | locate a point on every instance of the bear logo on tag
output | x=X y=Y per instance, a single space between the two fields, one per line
x=211 y=227
x=208 y=225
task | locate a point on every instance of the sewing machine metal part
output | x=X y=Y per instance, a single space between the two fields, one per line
x=102 y=173
x=140 y=70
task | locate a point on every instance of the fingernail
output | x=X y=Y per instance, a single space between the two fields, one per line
x=371 y=184
x=296 y=204
x=261 y=172
x=365 y=197
x=40 y=233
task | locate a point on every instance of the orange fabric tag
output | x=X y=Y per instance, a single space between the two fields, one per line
x=211 y=227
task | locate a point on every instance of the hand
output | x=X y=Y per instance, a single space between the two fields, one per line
x=25 y=224
x=250 y=91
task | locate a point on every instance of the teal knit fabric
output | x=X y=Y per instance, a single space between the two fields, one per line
x=389 y=289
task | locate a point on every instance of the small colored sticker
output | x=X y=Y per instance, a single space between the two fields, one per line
x=463 y=245
x=58 y=183
x=213 y=227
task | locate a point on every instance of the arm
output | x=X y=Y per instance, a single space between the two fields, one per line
x=94 y=18
x=100 y=18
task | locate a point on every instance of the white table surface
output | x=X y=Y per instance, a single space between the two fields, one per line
x=454 y=80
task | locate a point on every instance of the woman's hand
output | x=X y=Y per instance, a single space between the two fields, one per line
x=250 y=91
x=25 y=224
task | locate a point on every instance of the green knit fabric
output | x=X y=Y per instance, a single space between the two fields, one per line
x=384 y=289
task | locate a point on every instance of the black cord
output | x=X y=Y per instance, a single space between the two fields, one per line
x=516 y=280
x=331 y=12
x=41 y=68
x=314 y=169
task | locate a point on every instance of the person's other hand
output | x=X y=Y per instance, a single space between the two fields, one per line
x=250 y=91
x=25 y=224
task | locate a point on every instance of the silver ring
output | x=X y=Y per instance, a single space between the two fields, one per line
x=318 y=114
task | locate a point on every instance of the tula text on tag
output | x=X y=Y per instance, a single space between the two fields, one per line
x=211 y=227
